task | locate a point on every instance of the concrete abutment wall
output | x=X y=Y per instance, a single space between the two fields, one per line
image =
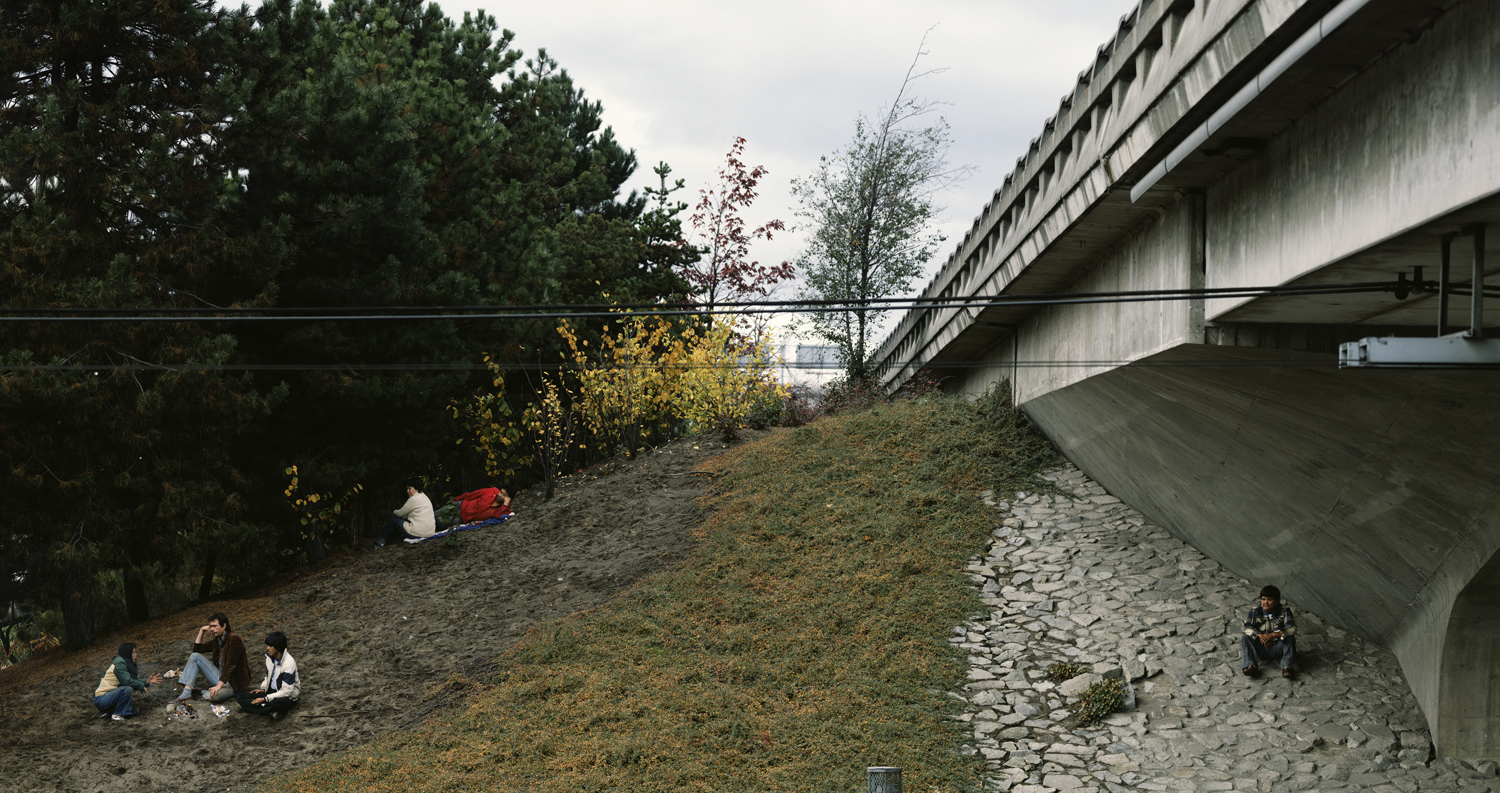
x=1369 y=496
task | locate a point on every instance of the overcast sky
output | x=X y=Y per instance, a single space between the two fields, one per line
x=679 y=80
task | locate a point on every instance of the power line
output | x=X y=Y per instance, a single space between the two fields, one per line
x=617 y=312
x=596 y=311
x=686 y=305
x=461 y=367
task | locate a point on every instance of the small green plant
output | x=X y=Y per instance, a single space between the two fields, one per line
x=1065 y=670
x=1099 y=700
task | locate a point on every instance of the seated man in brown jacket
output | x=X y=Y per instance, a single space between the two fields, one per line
x=226 y=670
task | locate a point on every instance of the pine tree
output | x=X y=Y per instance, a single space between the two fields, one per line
x=403 y=176
x=114 y=177
x=374 y=154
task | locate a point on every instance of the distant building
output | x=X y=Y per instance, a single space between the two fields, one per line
x=810 y=364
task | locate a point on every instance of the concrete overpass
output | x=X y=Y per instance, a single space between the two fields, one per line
x=1289 y=143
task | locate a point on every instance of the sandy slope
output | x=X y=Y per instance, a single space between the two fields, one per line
x=376 y=636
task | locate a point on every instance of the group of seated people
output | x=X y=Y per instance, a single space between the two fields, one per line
x=222 y=660
x=416 y=520
x=226 y=669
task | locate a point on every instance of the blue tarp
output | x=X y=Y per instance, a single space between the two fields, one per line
x=478 y=524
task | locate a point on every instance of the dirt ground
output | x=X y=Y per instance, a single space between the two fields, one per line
x=375 y=636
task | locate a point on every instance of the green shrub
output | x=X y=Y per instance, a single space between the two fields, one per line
x=1066 y=670
x=1099 y=700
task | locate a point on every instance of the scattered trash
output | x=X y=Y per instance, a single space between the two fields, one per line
x=222 y=711
x=172 y=673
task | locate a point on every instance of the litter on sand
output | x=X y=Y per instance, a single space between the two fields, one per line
x=221 y=711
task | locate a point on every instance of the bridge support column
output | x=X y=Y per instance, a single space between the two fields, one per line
x=1468 y=717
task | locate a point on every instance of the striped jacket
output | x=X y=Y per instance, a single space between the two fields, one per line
x=283 y=681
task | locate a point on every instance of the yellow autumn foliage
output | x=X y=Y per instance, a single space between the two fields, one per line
x=645 y=375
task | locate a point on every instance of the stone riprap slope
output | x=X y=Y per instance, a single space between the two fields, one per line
x=1086 y=579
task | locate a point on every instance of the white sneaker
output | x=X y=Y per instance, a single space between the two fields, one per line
x=412 y=541
x=116 y=717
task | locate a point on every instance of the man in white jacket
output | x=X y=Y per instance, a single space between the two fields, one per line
x=415 y=520
x=279 y=692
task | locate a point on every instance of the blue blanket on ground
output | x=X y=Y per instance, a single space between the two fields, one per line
x=478 y=524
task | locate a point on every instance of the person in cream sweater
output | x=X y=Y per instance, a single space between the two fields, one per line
x=413 y=521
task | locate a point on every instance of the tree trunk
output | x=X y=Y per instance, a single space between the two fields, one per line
x=356 y=518
x=317 y=549
x=859 y=350
x=206 y=586
x=136 y=607
x=78 y=608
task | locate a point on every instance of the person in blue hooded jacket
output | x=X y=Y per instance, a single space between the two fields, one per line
x=121 y=679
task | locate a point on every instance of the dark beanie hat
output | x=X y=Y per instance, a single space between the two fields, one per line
x=1269 y=591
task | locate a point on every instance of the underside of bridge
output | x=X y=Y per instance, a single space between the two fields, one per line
x=1369 y=495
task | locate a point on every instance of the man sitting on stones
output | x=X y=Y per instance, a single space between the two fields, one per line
x=226 y=670
x=1268 y=634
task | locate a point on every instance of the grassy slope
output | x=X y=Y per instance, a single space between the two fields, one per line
x=803 y=641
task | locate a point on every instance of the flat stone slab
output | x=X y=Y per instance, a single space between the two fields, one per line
x=1077 y=685
x=1332 y=733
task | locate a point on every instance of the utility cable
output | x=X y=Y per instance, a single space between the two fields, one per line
x=765 y=306
x=462 y=367
x=787 y=307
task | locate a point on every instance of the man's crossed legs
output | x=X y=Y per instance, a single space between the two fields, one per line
x=198 y=663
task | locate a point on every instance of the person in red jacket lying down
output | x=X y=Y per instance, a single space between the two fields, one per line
x=483 y=504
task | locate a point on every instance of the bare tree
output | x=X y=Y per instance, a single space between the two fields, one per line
x=869 y=206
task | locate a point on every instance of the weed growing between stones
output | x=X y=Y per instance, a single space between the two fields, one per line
x=1099 y=700
x=1064 y=670
x=804 y=639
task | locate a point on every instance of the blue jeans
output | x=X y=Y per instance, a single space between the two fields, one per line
x=395 y=529
x=117 y=702
x=1251 y=651
x=198 y=663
